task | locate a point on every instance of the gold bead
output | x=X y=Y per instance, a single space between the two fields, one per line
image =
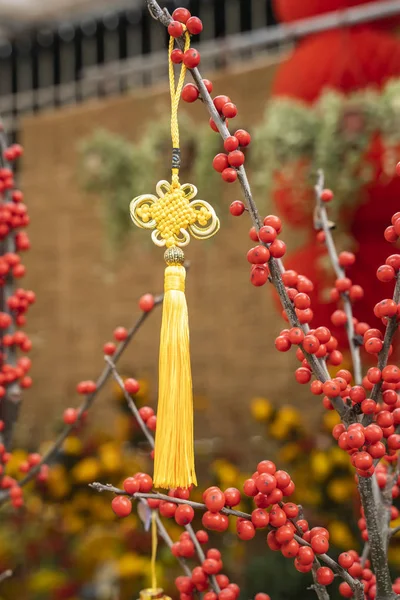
x=174 y=256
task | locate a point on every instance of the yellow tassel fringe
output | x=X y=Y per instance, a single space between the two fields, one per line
x=174 y=447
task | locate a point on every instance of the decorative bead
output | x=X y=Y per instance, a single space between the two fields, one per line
x=174 y=256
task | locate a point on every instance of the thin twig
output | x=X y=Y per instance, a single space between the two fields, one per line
x=86 y=404
x=130 y=402
x=339 y=272
x=365 y=554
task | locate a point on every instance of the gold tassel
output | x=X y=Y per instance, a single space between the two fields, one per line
x=174 y=215
x=174 y=449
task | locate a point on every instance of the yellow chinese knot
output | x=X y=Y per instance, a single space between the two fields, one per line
x=174 y=215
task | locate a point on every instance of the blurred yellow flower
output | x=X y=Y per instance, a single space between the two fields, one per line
x=72 y=445
x=57 y=482
x=339 y=458
x=310 y=496
x=122 y=427
x=132 y=564
x=320 y=465
x=330 y=419
x=340 y=490
x=110 y=457
x=86 y=471
x=226 y=472
x=261 y=409
x=289 y=415
x=45 y=580
x=279 y=430
x=289 y=452
x=340 y=535
x=17 y=457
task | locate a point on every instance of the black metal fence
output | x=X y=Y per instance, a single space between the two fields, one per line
x=47 y=66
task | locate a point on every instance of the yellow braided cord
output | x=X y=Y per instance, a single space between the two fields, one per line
x=154 y=542
x=175 y=98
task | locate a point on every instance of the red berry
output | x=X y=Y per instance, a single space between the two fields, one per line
x=245 y=530
x=231 y=143
x=277 y=248
x=229 y=110
x=305 y=555
x=194 y=25
x=177 y=56
x=191 y=58
x=260 y=518
x=220 y=101
x=259 y=275
x=345 y=560
x=208 y=84
x=385 y=273
x=181 y=14
x=326 y=195
x=390 y=234
x=175 y=29
x=202 y=536
x=190 y=93
x=258 y=255
x=120 y=334
x=167 y=509
x=70 y=416
x=236 y=158
x=319 y=544
x=325 y=576
x=131 y=485
x=184 y=514
x=229 y=175
x=146 y=412
x=215 y=500
x=362 y=461
x=232 y=496
x=237 y=208
x=220 y=162
x=210 y=566
x=243 y=136
x=346 y=259
x=109 y=348
x=131 y=386
x=122 y=506
x=267 y=234
x=283 y=343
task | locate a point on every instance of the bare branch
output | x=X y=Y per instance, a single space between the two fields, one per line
x=339 y=272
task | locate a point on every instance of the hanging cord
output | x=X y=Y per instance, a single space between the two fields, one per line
x=154 y=541
x=175 y=98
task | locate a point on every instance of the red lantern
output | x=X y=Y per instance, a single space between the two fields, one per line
x=346 y=60
x=292 y=10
